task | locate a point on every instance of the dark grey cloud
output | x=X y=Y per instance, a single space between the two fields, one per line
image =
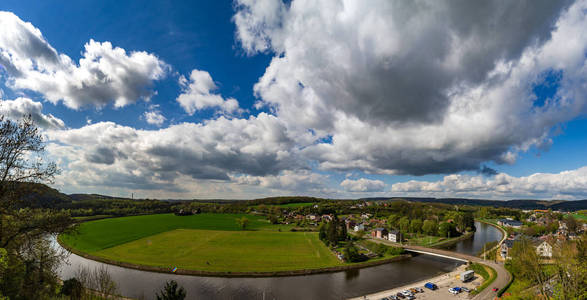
x=417 y=87
x=216 y=150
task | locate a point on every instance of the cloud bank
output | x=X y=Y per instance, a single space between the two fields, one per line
x=564 y=185
x=417 y=87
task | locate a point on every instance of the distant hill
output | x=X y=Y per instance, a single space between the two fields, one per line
x=520 y=204
x=40 y=195
x=84 y=197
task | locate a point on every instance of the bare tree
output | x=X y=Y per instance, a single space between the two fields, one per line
x=22 y=161
x=526 y=262
x=30 y=273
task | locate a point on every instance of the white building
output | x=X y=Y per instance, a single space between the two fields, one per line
x=394 y=236
x=544 y=249
x=359 y=227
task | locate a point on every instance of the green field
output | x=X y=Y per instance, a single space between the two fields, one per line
x=235 y=251
x=106 y=233
x=296 y=205
x=207 y=242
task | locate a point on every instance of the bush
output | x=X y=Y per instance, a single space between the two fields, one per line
x=72 y=288
x=172 y=291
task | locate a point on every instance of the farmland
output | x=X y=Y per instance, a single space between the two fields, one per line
x=206 y=242
x=236 y=251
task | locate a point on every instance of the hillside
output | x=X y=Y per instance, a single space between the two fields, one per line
x=520 y=204
x=40 y=195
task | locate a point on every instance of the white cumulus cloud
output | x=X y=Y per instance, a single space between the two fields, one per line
x=570 y=184
x=418 y=87
x=362 y=185
x=198 y=94
x=16 y=109
x=154 y=116
x=103 y=75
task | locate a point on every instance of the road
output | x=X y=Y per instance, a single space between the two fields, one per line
x=503 y=276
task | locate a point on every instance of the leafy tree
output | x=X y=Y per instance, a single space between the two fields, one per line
x=322 y=232
x=380 y=249
x=351 y=253
x=526 y=263
x=343 y=232
x=392 y=220
x=273 y=219
x=468 y=221
x=429 y=227
x=171 y=291
x=416 y=225
x=31 y=269
x=571 y=223
x=332 y=232
x=570 y=265
x=72 y=288
x=404 y=224
x=446 y=229
x=242 y=222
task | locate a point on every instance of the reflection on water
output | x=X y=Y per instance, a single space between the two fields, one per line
x=485 y=233
x=339 y=285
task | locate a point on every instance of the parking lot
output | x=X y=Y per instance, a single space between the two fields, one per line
x=444 y=282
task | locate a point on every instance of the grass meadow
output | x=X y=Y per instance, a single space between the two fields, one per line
x=220 y=251
x=101 y=234
x=206 y=242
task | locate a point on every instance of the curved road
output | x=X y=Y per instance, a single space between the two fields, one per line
x=503 y=276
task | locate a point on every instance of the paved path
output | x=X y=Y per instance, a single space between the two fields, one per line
x=503 y=276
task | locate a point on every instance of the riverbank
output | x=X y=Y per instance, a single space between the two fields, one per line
x=180 y=271
x=503 y=238
x=450 y=242
x=443 y=281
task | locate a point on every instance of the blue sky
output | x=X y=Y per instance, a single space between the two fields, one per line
x=259 y=98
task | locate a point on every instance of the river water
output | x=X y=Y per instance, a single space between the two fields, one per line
x=485 y=233
x=339 y=285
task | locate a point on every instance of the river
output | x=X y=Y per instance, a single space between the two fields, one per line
x=141 y=284
x=485 y=233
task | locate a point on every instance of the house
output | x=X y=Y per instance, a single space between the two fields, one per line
x=394 y=236
x=506 y=246
x=349 y=224
x=544 y=249
x=379 y=233
x=509 y=223
x=359 y=227
x=366 y=216
x=327 y=218
x=313 y=217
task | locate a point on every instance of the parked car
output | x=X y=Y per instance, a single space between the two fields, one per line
x=406 y=293
x=465 y=289
x=430 y=285
x=494 y=289
x=420 y=290
x=410 y=297
x=413 y=290
x=400 y=295
x=455 y=290
x=393 y=297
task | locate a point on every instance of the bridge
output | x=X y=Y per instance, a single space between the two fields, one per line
x=437 y=254
x=502 y=279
